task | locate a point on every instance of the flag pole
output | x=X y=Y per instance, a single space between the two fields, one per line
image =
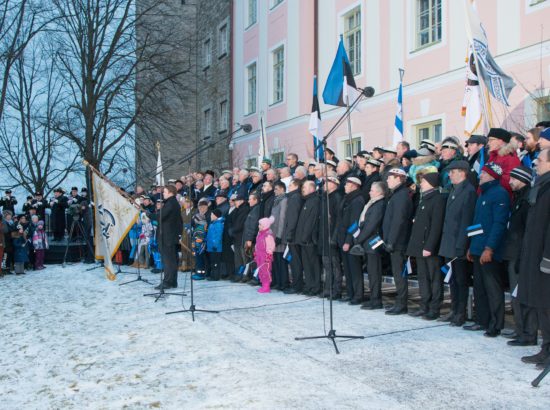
x=482 y=88
x=401 y=75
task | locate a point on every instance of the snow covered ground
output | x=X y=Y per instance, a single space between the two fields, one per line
x=72 y=339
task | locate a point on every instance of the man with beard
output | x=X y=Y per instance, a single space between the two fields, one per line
x=169 y=230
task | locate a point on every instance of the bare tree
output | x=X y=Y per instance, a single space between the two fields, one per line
x=36 y=158
x=20 y=22
x=99 y=58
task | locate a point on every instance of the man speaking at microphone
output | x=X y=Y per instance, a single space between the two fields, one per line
x=168 y=232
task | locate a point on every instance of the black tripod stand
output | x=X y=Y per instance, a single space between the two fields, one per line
x=192 y=308
x=76 y=223
x=139 y=278
x=542 y=375
x=331 y=335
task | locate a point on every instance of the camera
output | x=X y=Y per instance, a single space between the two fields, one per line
x=74 y=211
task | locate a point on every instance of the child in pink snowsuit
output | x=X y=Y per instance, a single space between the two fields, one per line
x=263 y=253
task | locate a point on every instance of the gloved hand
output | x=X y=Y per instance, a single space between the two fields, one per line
x=388 y=247
x=278 y=241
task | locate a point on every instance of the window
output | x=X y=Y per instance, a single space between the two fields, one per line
x=251 y=162
x=277 y=158
x=352 y=38
x=207 y=53
x=222 y=40
x=207 y=124
x=251 y=16
x=428 y=130
x=428 y=22
x=348 y=152
x=278 y=57
x=251 y=88
x=275 y=3
x=222 y=119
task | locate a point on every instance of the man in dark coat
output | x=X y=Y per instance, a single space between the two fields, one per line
x=8 y=202
x=170 y=227
x=209 y=190
x=325 y=245
x=266 y=199
x=424 y=244
x=396 y=229
x=525 y=318
x=534 y=277
x=372 y=169
x=306 y=237
x=346 y=226
x=293 y=207
x=59 y=205
x=40 y=204
x=236 y=231
x=474 y=146
x=370 y=224
x=250 y=230
x=486 y=249
x=278 y=212
x=459 y=213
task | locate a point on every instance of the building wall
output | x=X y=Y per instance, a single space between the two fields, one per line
x=519 y=39
x=174 y=115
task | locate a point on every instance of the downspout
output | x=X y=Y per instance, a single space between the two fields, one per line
x=231 y=22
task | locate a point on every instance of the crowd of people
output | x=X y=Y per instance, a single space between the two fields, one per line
x=474 y=215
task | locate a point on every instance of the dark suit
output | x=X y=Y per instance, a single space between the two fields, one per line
x=168 y=233
x=396 y=228
x=306 y=237
x=348 y=214
x=58 y=216
x=425 y=235
x=459 y=213
x=326 y=246
x=294 y=205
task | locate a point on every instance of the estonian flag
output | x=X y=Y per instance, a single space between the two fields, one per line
x=407 y=269
x=287 y=255
x=354 y=230
x=447 y=269
x=376 y=242
x=340 y=88
x=474 y=230
x=398 y=125
x=315 y=127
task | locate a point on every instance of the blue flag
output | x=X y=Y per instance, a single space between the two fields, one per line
x=398 y=124
x=340 y=74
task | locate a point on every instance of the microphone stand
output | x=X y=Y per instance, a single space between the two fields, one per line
x=331 y=335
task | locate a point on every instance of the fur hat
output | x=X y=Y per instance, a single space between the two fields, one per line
x=500 y=133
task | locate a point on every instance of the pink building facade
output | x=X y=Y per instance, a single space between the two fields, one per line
x=279 y=45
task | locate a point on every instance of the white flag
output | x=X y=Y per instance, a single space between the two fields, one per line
x=160 y=172
x=114 y=217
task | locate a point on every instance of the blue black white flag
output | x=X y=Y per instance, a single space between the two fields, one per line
x=497 y=82
x=376 y=242
x=447 y=270
x=407 y=269
x=315 y=127
x=340 y=88
x=474 y=230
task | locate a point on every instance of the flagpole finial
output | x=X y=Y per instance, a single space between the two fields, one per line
x=158 y=145
x=86 y=163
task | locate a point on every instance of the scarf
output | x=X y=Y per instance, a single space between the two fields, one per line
x=366 y=208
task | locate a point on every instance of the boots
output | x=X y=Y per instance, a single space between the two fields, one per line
x=265 y=287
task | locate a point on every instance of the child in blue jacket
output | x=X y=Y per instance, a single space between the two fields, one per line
x=214 y=239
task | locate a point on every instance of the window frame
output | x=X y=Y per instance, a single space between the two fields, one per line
x=223 y=122
x=343 y=144
x=273 y=4
x=430 y=125
x=223 y=25
x=247 y=99
x=417 y=23
x=206 y=56
x=207 y=122
x=272 y=74
x=250 y=23
x=274 y=155
x=356 y=33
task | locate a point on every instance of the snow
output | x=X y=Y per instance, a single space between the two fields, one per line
x=73 y=340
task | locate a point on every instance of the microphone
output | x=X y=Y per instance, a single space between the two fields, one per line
x=246 y=128
x=367 y=91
